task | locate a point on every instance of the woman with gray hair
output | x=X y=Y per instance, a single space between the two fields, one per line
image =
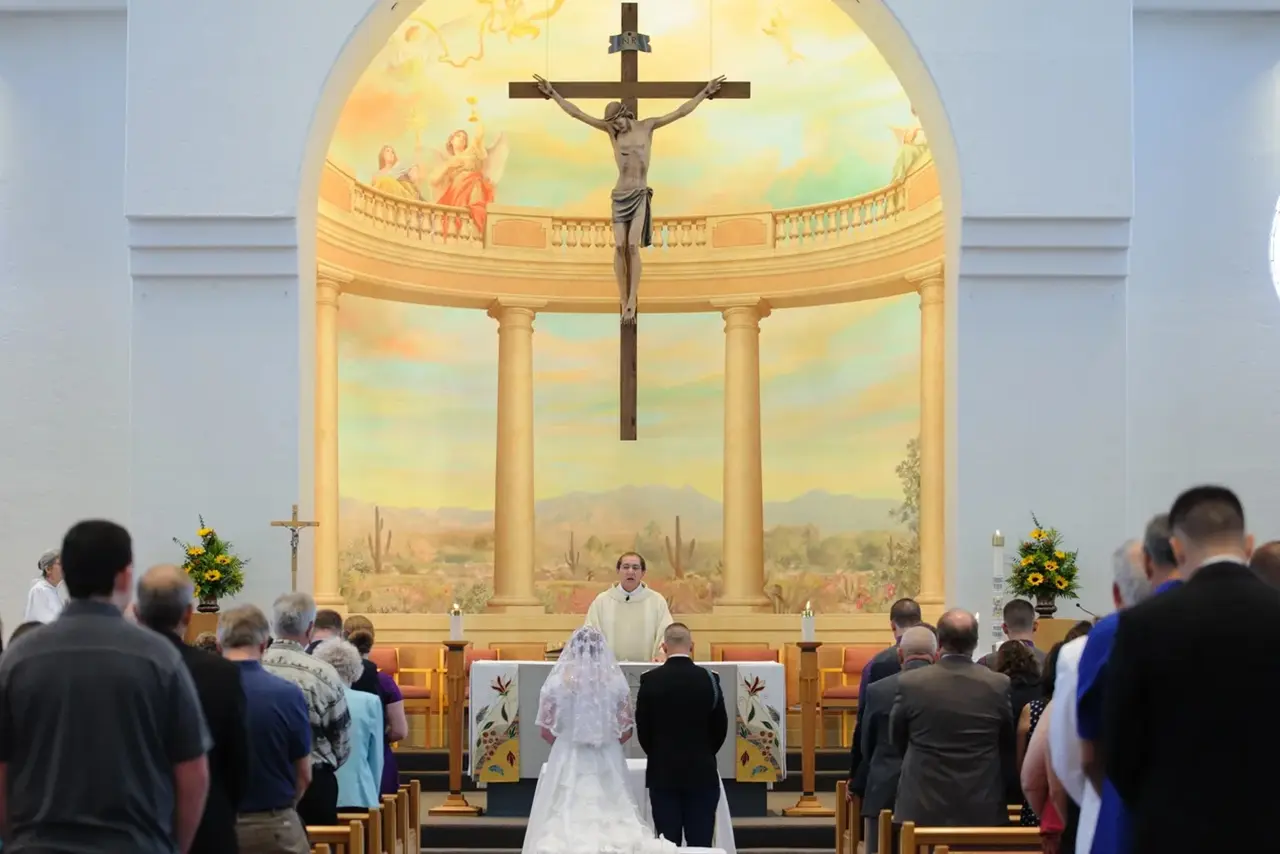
x=359 y=777
x=45 y=599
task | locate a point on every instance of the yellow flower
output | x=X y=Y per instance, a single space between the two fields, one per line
x=222 y=560
x=1060 y=555
x=204 y=532
x=195 y=551
x=212 y=575
x=1028 y=560
x=1035 y=579
x=1051 y=565
x=1037 y=534
x=1061 y=583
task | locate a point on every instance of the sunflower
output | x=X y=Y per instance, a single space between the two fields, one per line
x=204 y=532
x=195 y=551
x=1028 y=560
x=222 y=560
x=1061 y=583
x=213 y=575
x=1051 y=565
x=1035 y=579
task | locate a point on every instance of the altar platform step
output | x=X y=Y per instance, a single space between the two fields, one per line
x=772 y=834
x=431 y=769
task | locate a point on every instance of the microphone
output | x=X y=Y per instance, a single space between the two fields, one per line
x=1087 y=611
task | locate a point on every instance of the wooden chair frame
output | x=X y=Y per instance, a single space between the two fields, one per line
x=412 y=792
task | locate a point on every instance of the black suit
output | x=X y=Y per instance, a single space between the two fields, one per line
x=1191 y=679
x=681 y=723
x=884 y=664
x=221 y=696
x=882 y=763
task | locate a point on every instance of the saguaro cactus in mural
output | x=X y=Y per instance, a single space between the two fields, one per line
x=379 y=547
x=677 y=555
x=571 y=556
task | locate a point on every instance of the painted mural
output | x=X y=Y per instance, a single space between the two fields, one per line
x=431 y=118
x=840 y=409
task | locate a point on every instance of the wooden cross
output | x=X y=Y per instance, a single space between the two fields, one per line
x=629 y=90
x=293 y=524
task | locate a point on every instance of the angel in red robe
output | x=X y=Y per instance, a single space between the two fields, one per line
x=467 y=172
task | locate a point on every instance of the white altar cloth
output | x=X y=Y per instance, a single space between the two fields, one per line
x=640 y=795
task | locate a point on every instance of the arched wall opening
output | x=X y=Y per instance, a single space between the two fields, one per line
x=876 y=21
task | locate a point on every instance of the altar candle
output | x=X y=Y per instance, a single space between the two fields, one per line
x=455 y=623
x=997 y=586
x=808 y=631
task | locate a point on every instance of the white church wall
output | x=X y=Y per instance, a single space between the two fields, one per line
x=64 y=286
x=220 y=126
x=1203 y=315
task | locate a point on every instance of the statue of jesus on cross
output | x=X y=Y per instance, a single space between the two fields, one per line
x=632 y=140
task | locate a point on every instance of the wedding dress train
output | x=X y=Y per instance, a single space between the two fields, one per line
x=583 y=805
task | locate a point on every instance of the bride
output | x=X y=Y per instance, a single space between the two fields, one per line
x=583 y=803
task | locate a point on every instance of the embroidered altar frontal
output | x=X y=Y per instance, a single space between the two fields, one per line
x=504 y=695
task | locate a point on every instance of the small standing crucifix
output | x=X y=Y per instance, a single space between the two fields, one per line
x=294 y=525
x=632 y=139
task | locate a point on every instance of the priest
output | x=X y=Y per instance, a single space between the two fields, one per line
x=630 y=615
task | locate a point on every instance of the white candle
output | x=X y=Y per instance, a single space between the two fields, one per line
x=997 y=585
x=808 y=631
x=455 y=623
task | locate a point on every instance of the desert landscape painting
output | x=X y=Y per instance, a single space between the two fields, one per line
x=840 y=413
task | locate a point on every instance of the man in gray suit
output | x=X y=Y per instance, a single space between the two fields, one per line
x=917 y=648
x=1019 y=625
x=954 y=727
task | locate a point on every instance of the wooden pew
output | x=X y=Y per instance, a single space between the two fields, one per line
x=412 y=792
x=389 y=824
x=343 y=840
x=848 y=820
x=402 y=823
x=1016 y=840
x=320 y=849
x=372 y=821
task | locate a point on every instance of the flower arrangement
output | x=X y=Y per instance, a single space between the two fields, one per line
x=1044 y=570
x=214 y=569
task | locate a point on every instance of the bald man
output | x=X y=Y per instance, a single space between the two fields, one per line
x=954 y=727
x=165 y=596
x=1266 y=562
x=917 y=648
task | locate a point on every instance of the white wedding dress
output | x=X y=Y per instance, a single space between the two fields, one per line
x=583 y=803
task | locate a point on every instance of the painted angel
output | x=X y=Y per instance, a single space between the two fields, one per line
x=395 y=178
x=466 y=172
x=914 y=145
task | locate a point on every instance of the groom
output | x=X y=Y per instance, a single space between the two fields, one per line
x=681 y=723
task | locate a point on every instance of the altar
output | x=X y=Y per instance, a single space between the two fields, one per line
x=506 y=759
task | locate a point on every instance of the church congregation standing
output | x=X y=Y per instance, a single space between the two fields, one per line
x=241 y=749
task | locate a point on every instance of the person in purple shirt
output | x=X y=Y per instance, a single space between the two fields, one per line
x=903 y=615
x=1111 y=833
x=397 y=727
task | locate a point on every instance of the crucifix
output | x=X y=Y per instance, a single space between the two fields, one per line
x=632 y=140
x=294 y=525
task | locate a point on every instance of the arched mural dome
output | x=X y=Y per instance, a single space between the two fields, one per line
x=827 y=119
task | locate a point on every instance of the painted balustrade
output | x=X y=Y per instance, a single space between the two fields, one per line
x=805 y=228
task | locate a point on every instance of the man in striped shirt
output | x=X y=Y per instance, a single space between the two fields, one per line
x=293 y=621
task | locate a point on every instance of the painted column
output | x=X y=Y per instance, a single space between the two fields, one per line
x=933 y=368
x=328 y=591
x=513 y=553
x=743 y=582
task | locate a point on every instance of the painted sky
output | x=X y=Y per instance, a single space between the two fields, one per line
x=819 y=126
x=839 y=394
